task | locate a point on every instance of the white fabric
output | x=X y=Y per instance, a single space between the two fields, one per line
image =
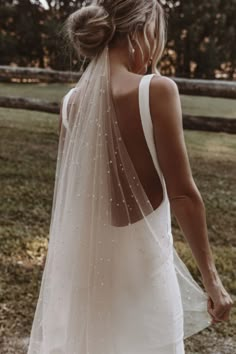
x=113 y=282
x=64 y=108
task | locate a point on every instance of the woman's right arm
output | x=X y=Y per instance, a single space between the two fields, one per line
x=185 y=199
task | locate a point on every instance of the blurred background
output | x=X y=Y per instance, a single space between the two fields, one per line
x=202 y=36
x=37 y=68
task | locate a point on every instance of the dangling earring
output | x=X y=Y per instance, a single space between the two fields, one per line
x=132 y=51
x=132 y=47
x=131 y=57
x=150 y=61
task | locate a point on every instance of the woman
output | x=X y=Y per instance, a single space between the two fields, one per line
x=113 y=282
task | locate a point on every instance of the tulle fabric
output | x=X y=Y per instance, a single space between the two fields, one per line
x=113 y=282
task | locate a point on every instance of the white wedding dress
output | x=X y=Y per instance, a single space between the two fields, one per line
x=141 y=301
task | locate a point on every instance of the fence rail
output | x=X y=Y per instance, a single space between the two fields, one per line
x=213 y=124
x=24 y=75
x=31 y=104
x=210 y=88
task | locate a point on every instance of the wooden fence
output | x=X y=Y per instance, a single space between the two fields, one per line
x=210 y=88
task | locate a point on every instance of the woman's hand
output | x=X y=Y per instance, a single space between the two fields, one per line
x=219 y=301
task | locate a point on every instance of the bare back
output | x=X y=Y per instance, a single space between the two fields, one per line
x=125 y=94
x=165 y=112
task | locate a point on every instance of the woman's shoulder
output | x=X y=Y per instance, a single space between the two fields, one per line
x=165 y=101
x=164 y=85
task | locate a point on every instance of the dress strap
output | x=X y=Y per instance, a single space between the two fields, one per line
x=64 y=108
x=144 y=107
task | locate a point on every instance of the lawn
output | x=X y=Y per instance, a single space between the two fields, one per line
x=28 y=151
x=202 y=106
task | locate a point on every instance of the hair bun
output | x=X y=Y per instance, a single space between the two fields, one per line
x=90 y=29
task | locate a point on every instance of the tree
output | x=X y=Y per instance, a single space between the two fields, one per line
x=21 y=40
x=201 y=36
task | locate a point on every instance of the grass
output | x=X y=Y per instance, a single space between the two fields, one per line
x=202 y=106
x=28 y=151
x=42 y=90
x=209 y=107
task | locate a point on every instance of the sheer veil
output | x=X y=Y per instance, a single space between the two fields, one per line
x=98 y=197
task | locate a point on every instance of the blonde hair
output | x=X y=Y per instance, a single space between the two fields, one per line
x=92 y=27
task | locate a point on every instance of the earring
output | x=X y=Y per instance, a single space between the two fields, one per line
x=132 y=51
x=131 y=39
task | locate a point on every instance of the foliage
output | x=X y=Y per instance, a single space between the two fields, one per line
x=200 y=43
x=31 y=35
x=203 y=34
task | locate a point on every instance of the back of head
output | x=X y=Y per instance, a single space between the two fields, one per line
x=92 y=27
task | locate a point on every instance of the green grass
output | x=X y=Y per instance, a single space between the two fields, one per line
x=209 y=107
x=203 y=106
x=28 y=151
x=52 y=92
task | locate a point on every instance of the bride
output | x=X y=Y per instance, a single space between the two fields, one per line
x=113 y=282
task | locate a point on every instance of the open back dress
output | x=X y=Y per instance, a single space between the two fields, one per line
x=141 y=302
